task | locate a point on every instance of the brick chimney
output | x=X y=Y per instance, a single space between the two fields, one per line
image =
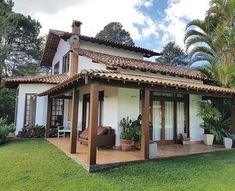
x=76 y=29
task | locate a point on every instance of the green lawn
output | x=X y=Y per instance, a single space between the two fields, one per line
x=37 y=165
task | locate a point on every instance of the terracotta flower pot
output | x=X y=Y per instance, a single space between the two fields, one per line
x=125 y=145
x=137 y=146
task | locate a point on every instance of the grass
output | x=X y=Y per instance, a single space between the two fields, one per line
x=38 y=165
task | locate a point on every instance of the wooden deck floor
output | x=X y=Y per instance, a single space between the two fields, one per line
x=111 y=156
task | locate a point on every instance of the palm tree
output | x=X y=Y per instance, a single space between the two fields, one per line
x=213 y=41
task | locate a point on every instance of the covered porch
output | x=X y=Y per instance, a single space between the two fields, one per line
x=107 y=158
x=93 y=158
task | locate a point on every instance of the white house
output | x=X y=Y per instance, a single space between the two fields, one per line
x=86 y=70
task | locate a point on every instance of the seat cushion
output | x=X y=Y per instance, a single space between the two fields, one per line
x=101 y=130
x=85 y=134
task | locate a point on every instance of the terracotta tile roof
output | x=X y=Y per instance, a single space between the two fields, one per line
x=153 y=81
x=128 y=63
x=55 y=35
x=13 y=82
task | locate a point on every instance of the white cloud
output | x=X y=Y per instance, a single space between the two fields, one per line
x=177 y=14
x=148 y=4
x=94 y=15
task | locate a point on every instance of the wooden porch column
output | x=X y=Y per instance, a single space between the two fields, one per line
x=93 y=123
x=233 y=115
x=145 y=124
x=49 y=110
x=74 y=119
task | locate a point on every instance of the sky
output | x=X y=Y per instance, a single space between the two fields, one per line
x=151 y=23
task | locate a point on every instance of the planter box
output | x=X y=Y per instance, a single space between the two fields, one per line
x=152 y=150
x=208 y=139
x=228 y=143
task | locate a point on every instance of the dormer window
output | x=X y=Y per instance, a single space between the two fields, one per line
x=56 y=68
x=66 y=61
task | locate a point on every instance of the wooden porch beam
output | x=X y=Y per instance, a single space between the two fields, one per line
x=93 y=123
x=159 y=88
x=145 y=124
x=74 y=119
x=48 y=123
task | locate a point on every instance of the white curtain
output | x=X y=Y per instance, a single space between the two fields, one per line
x=169 y=120
x=180 y=118
x=157 y=120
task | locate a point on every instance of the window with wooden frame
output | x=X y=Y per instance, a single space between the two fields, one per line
x=66 y=63
x=86 y=110
x=30 y=109
x=57 y=68
x=57 y=114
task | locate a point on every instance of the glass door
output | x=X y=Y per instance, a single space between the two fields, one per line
x=169 y=117
x=180 y=119
x=157 y=120
x=169 y=120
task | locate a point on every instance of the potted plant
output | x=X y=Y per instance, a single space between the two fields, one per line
x=136 y=129
x=136 y=126
x=224 y=135
x=210 y=116
x=126 y=134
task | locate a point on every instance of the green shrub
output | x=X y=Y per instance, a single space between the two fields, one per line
x=213 y=121
x=5 y=129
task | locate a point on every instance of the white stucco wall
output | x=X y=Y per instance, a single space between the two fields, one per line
x=41 y=105
x=128 y=106
x=111 y=109
x=110 y=50
x=120 y=103
x=62 y=49
x=196 y=132
x=86 y=63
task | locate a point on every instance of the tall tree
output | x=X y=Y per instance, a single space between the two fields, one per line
x=213 y=41
x=20 y=43
x=20 y=51
x=173 y=55
x=114 y=32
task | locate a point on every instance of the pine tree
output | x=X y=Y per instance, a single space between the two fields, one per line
x=114 y=32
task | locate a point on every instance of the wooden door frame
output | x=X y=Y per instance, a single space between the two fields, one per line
x=175 y=100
